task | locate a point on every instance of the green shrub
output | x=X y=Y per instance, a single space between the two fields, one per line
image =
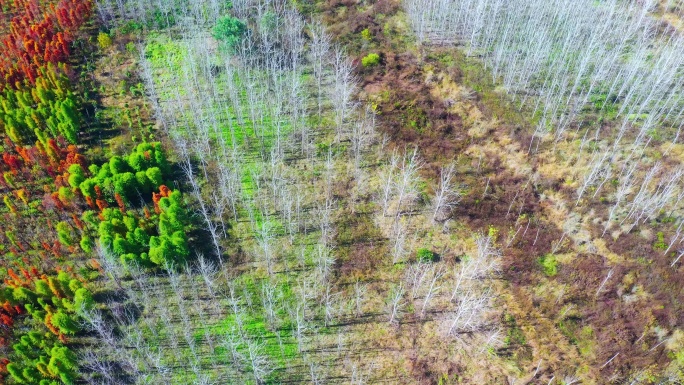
x=104 y=40
x=366 y=34
x=549 y=265
x=660 y=242
x=229 y=30
x=493 y=233
x=425 y=255
x=372 y=59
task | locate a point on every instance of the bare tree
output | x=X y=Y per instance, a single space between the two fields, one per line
x=259 y=362
x=231 y=343
x=360 y=292
x=329 y=302
x=387 y=179
x=398 y=239
x=343 y=89
x=447 y=194
x=324 y=261
x=406 y=184
x=432 y=289
x=265 y=239
x=362 y=136
x=395 y=304
x=208 y=272
x=471 y=312
x=317 y=377
x=270 y=301
x=485 y=262
x=319 y=49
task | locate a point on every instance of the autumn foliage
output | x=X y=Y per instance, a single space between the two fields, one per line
x=39 y=34
x=40 y=119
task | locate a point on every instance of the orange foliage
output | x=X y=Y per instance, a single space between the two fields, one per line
x=120 y=202
x=164 y=191
x=39 y=35
x=155 y=199
x=77 y=221
x=95 y=264
x=50 y=326
x=101 y=204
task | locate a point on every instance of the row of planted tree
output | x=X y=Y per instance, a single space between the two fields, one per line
x=264 y=142
x=58 y=206
x=267 y=129
x=607 y=75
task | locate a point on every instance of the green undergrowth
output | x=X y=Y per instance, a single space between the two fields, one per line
x=279 y=345
x=167 y=56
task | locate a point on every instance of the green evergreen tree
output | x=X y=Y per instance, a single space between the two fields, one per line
x=154 y=174
x=161 y=251
x=42 y=288
x=144 y=183
x=86 y=244
x=15 y=371
x=75 y=284
x=138 y=162
x=23 y=295
x=90 y=218
x=76 y=175
x=117 y=165
x=125 y=184
x=65 y=283
x=63 y=364
x=180 y=243
x=32 y=375
x=65 y=195
x=94 y=169
x=121 y=245
x=130 y=222
x=83 y=300
x=65 y=323
x=65 y=234
x=69 y=119
x=160 y=159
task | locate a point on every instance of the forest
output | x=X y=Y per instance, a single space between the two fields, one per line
x=341 y=192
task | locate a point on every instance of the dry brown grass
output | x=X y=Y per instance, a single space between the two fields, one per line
x=491 y=147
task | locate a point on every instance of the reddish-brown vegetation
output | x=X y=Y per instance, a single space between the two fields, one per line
x=39 y=34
